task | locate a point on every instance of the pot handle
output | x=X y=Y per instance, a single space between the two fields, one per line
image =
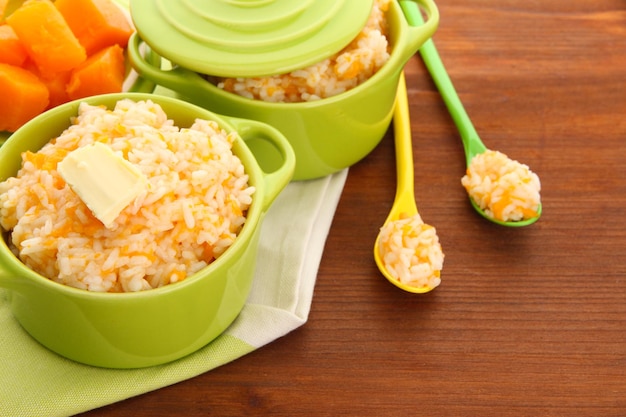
x=272 y=151
x=178 y=79
x=419 y=32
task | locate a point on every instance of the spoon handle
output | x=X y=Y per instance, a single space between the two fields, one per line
x=403 y=145
x=471 y=141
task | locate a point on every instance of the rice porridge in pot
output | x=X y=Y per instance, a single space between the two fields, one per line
x=191 y=211
x=346 y=69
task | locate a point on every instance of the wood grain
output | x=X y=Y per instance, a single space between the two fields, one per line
x=527 y=322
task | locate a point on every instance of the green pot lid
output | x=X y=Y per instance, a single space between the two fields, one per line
x=248 y=38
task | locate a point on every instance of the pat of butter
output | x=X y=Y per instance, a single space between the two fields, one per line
x=104 y=181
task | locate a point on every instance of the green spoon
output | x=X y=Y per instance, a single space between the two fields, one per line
x=472 y=144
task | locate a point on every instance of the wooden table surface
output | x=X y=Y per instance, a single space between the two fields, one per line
x=526 y=322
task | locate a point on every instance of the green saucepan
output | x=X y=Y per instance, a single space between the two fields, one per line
x=327 y=135
x=130 y=330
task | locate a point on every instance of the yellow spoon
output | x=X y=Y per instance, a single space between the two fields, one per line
x=404 y=202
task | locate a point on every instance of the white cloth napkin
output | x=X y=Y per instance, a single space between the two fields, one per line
x=37 y=382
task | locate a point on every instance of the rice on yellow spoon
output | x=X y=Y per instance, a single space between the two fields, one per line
x=406 y=250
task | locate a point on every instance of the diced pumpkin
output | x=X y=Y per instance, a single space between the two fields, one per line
x=47 y=37
x=23 y=97
x=103 y=72
x=11 y=49
x=56 y=83
x=96 y=23
x=57 y=87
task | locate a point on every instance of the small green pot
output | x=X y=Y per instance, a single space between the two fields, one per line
x=327 y=135
x=131 y=330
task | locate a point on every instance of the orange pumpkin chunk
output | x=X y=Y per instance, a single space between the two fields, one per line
x=47 y=37
x=103 y=72
x=56 y=83
x=11 y=49
x=96 y=23
x=23 y=97
x=57 y=87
